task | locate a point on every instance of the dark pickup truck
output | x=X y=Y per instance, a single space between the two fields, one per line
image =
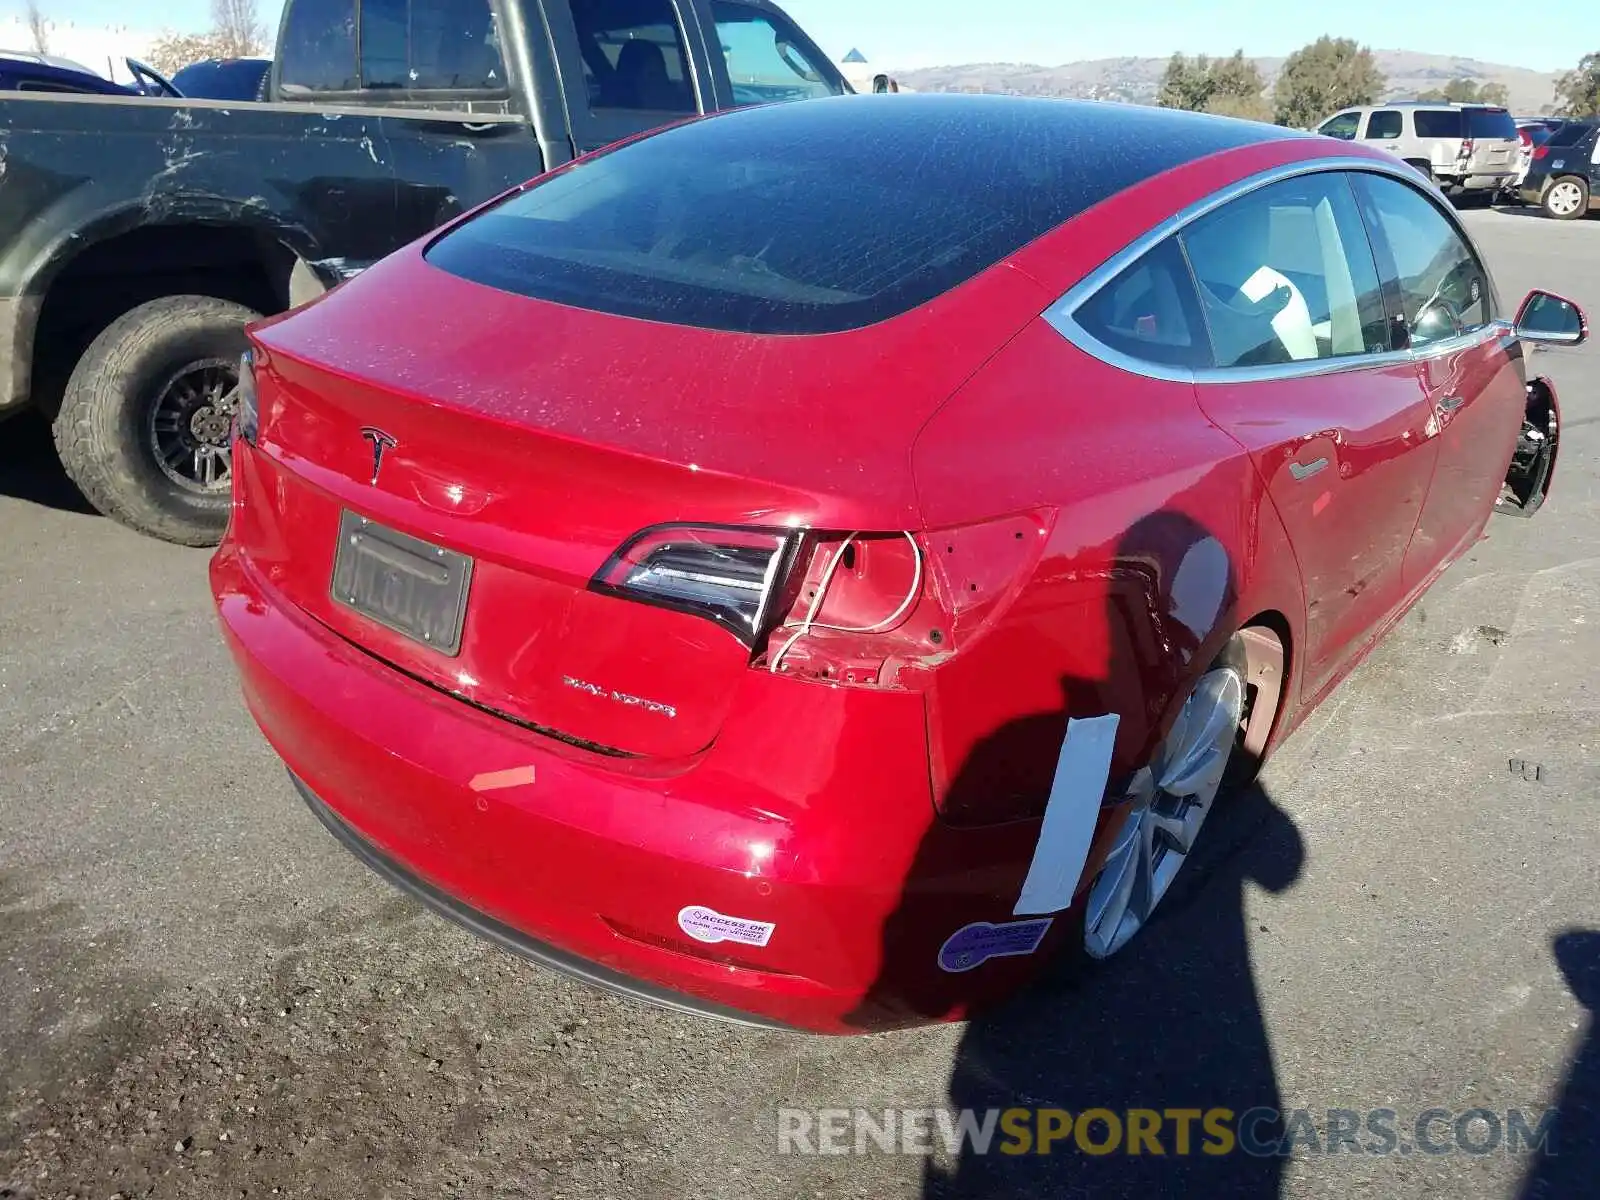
x=138 y=236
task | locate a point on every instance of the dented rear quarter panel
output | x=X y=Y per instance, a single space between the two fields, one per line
x=1162 y=540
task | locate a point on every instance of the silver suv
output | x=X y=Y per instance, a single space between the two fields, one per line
x=1467 y=149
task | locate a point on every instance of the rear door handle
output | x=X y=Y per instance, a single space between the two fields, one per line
x=1451 y=403
x=1307 y=470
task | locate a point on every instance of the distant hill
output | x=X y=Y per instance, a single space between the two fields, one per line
x=1136 y=80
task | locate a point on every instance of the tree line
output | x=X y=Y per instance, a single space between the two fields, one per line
x=236 y=32
x=1334 y=73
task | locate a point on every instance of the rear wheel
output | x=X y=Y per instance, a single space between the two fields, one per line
x=1566 y=199
x=145 y=423
x=1173 y=795
x=1214 y=749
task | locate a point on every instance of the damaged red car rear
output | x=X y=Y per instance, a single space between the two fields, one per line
x=820 y=605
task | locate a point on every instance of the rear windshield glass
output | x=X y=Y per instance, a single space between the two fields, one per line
x=1440 y=123
x=1570 y=135
x=812 y=217
x=1491 y=123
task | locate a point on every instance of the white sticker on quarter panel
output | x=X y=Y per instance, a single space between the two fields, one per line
x=1070 y=816
x=709 y=926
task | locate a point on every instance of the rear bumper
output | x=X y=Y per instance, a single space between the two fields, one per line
x=503 y=935
x=1491 y=182
x=811 y=814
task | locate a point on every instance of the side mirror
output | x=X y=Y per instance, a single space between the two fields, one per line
x=1437 y=321
x=1546 y=317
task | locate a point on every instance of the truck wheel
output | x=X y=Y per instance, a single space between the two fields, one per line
x=1566 y=199
x=144 y=428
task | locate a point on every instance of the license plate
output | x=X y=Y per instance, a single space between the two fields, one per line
x=403 y=583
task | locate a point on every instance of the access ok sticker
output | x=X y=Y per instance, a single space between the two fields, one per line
x=709 y=926
x=973 y=945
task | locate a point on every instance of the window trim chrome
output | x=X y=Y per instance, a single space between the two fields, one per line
x=1062 y=315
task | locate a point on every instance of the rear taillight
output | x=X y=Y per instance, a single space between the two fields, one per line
x=1541 y=151
x=866 y=608
x=1467 y=146
x=1524 y=137
x=246 y=409
x=884 y=610
x=727 y=574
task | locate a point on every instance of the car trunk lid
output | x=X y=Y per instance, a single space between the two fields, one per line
x=508 y=448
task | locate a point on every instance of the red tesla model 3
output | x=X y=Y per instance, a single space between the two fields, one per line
x=814 y=564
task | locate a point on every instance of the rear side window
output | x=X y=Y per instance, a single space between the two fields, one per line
x=634 y=57
x=1439 y=123
x=430 y=45
x=1570 y=135
x=1491 y=123
x=790 y=218
x=1150 y=311
x=1433 y=265
x=40 y=85
x=319 y=48
x=767 y=58
x=1383 y=125
x=1286 y=274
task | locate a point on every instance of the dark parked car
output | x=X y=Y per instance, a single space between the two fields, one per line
x=587 y=601
x=225 y=79
x=24 y=71
x=1564 y=176
x=124 y=291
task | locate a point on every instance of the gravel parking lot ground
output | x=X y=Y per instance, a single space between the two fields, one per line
x=202 y=994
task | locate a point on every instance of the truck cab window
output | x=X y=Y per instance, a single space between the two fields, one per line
x=634 y=55
x=768 y=59
x=318 y=53
x=430 y=45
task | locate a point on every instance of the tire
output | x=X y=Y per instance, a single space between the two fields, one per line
x=1233 y=660
x=127 y=381
x=1560 y=189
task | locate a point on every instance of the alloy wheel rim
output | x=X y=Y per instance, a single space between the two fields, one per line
x=1565 y=198
x=1172 y=798
x=190 y=425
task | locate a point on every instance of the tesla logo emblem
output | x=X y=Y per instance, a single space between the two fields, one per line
x=381 y=441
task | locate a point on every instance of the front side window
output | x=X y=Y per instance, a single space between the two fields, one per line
x=319 y=48
x=1286 y=274
x=1343 y=126
x=634 y=57
x=1382 y=126
x=1443 y=287
x=430 y=45
x=1150 y=311
x=767 y=58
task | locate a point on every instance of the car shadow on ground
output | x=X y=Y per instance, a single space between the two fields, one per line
x=1569 y=1165
x=30 y=469
x=1172 y=1023
x=1534 y=212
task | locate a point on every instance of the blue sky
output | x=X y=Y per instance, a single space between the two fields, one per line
x=910 y=33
